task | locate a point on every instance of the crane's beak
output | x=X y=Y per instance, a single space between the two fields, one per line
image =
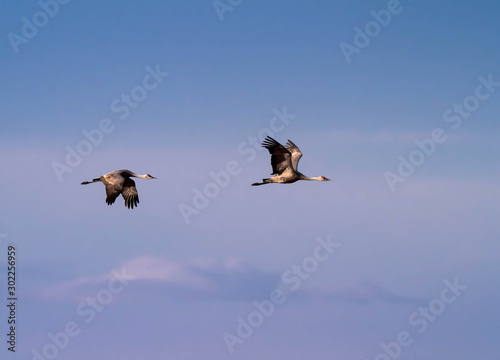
x=152 y=177
x=326 y=179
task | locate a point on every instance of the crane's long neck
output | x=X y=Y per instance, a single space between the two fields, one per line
x=139 y=176
x=308 y=178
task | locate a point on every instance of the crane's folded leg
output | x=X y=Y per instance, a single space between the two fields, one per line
x=264 y=181
x=90 y=182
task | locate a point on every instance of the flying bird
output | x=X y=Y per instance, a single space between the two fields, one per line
x=120 y=182
x=285 y=161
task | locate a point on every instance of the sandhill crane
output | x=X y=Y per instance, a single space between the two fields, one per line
x=120 y=182
x=285 y=161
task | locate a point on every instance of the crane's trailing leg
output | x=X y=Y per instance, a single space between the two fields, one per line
x=90 y=182
x=264 y=181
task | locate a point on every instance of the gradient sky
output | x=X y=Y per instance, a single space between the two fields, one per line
x=227 y=77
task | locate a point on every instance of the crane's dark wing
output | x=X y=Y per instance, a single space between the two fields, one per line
x=129 y=193
x=112 y=192
x=280 y=156
x=296 y=154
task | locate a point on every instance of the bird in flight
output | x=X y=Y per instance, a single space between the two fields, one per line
x=285 y=161
x=120 y=182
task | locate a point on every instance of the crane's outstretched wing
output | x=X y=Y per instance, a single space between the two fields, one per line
x=296 y=154
x=129 y=193
x=281 y=158
x=112 y=192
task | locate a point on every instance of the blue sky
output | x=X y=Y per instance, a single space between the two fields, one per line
x=228 y=78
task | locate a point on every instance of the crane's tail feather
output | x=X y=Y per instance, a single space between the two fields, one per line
x=90 y=182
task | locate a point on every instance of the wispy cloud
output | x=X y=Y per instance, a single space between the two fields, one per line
x=362 y=293
x=227 y=280
x=207 y=280
x=383 y=137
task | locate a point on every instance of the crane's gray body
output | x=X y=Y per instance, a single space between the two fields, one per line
x=285 y=162
x=120 y=182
